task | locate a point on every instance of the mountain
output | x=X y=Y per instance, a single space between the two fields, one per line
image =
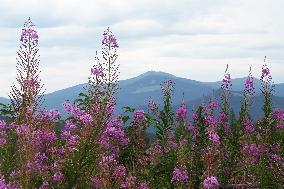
x=4 y=100
x=137 y=91
x=238 y=85
x=235 y=102
x=55 y=99
x=279 y=89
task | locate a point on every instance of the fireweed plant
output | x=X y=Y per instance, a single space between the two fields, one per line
x=208 y=147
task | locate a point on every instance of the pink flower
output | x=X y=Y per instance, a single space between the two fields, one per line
x=252 y=149
x=49 y=115
x=213 y=135
x=109 y=39
x=2 y=124
x=180 y=175
x=79 y=114
x=223 y=117
x=275 y=148
x=119 y=171
x=276 y=157
x=152 y=105
x=280 y=126
x=265 y=72
x=139 y=115
x=226 y=82
x=96 y=182
x=22 y=129
x=97 y=72
x=114 y=132
x=65 y=134
x=45 y=185
x=57 y=176
x=2 y=183
x=249 y=88
x=194 y=116
x=249 y=83
x=168 y=82
x=249 y=126
x=211 y=183
x=279 y=114
x=31 y=83
x=143 y=185
x=211 y=121
x=129 y=182
x=72 y=142
x=213 y=105
x=69 y=126
x=105 y=40
x=190 y=128
x=29 y=34
x=181 y=112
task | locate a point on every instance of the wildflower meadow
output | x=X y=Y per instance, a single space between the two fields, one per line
x=208 y=147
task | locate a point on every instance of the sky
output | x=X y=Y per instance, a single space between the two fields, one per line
x=193 y=39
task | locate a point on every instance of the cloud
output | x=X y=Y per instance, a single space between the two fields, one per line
x=188 y=38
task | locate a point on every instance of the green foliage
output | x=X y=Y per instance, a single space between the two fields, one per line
x=83 y=100
x=201 y=142
x=8 y=155
x=6 y=112
x=160 y=175
x=165 y=121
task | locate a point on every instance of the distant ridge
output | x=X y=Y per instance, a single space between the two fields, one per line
x=137 y=91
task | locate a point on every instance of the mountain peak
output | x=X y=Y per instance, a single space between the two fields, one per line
x=146 y=75
x=155 y=73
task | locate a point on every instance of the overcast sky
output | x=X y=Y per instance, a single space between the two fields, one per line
x=189 y=38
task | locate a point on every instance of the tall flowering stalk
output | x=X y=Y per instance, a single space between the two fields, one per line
x=267 y=128
x=200 y=139
x=249 y=89
x=267 y=88
x=29 y=153
x=26 y=97
x=183 y=176
x=248 y=93
x=242 y=134
x=104 y=74
x=224 y=130
x=247 y=126
x=136 y=159
x=100 y=137
x=165 y=121
x=267 y=91
x=181 y=130
x=229 y=135
x=212 y=153
x=245 y=120
x=226 y=87
x=100 y=99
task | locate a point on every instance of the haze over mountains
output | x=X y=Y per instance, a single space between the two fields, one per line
x=137 y=91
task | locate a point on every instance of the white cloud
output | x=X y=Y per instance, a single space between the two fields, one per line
x=188 y=38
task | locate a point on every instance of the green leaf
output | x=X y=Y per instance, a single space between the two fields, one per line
x=149 y=119
x=4 y=105
x=128 y=109
x=125 y=119
x=6 y=112
x=83 y=94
